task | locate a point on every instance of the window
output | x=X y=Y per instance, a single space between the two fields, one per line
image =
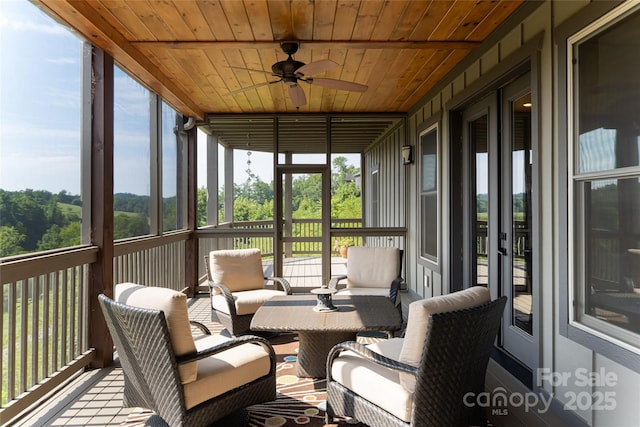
x=40 y=111
x=429 y=183
x=605 y=177
x=131 y=157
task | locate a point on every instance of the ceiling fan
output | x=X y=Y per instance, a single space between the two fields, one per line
x=291 y=72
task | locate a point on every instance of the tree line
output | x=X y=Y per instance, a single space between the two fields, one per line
x=38 y=220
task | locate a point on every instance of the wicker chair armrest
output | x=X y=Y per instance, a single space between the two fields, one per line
x=395 y=289
x=228 y=296
x=234 y=342
x=333 y=283
x=284 y=283
x=200 y=326
x=369 y=355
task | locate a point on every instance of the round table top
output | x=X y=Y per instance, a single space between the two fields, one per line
x=323 y=291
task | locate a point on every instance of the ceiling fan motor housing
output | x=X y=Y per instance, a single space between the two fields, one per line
x=287 y=70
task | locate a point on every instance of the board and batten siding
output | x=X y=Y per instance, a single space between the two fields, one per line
x=557 y=353
x=385 y=157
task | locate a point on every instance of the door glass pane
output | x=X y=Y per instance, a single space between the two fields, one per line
x=478 y=132
x=521 y=212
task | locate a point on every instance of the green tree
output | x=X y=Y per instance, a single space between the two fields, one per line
x=202 y=206
x=169 y=214
x=23 y=211
x=50 y=239
x=128 y=225
x=53 y=213
x=308 y=209
x=70 y=234
x=10 y=241
x=306 y=187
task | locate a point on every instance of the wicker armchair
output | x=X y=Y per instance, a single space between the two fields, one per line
x=186 y=382
x=422 y=379
x=236 y=282
x=372 y=271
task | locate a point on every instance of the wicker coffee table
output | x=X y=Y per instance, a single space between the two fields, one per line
x=318 y=332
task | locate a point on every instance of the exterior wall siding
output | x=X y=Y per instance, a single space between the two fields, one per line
x=557 y=353
x=386 y=158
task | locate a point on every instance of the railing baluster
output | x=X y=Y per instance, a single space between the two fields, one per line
x=64 y=316
x=35 y=330
x=24 y=333
x=55 y=321
x=82 y=310
x=11 y=355
x=71 y=350
x=45 y=326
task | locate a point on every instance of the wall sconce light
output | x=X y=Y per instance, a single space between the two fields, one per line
x=407 y=154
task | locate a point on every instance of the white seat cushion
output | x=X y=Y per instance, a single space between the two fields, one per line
x=174 y=306
x=377 y=384
x=246 y=302
x=372 y=267
x=418 y=320
x=237 y=269
x=225 y=371
x=365 y=291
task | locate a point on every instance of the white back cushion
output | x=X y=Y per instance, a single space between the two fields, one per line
x=372 y=267
x=174 y=306
x=418 y=320
x=237 y=269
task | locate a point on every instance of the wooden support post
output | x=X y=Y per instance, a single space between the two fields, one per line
x=101 y=273
x=191 y=245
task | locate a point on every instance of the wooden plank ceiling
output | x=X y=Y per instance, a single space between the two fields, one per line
x=194 y=53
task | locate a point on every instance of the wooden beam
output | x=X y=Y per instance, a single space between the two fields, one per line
x=336 y=44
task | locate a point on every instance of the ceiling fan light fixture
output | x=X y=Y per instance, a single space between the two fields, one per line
x=291 y=72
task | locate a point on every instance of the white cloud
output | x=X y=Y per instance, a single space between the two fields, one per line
x=32 y=27
x=63 y=61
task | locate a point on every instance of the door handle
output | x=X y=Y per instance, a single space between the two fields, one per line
x=502 y=251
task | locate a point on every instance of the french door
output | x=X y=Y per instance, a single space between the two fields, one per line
x=498 y=237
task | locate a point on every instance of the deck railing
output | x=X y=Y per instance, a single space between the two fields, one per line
x=153 y=261
x=44 y=300
x=43 y=325
x=259 y=234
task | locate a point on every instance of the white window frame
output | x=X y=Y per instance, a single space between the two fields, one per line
x=435 y=261
x=577 y=314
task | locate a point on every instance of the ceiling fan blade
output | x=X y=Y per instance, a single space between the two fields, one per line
x=297 y=96
x=316 y=67
x=339 y=84
x=252 y=70
x=244 y=89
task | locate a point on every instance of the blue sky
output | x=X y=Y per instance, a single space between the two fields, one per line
x=39 y=101
x=40 y=81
